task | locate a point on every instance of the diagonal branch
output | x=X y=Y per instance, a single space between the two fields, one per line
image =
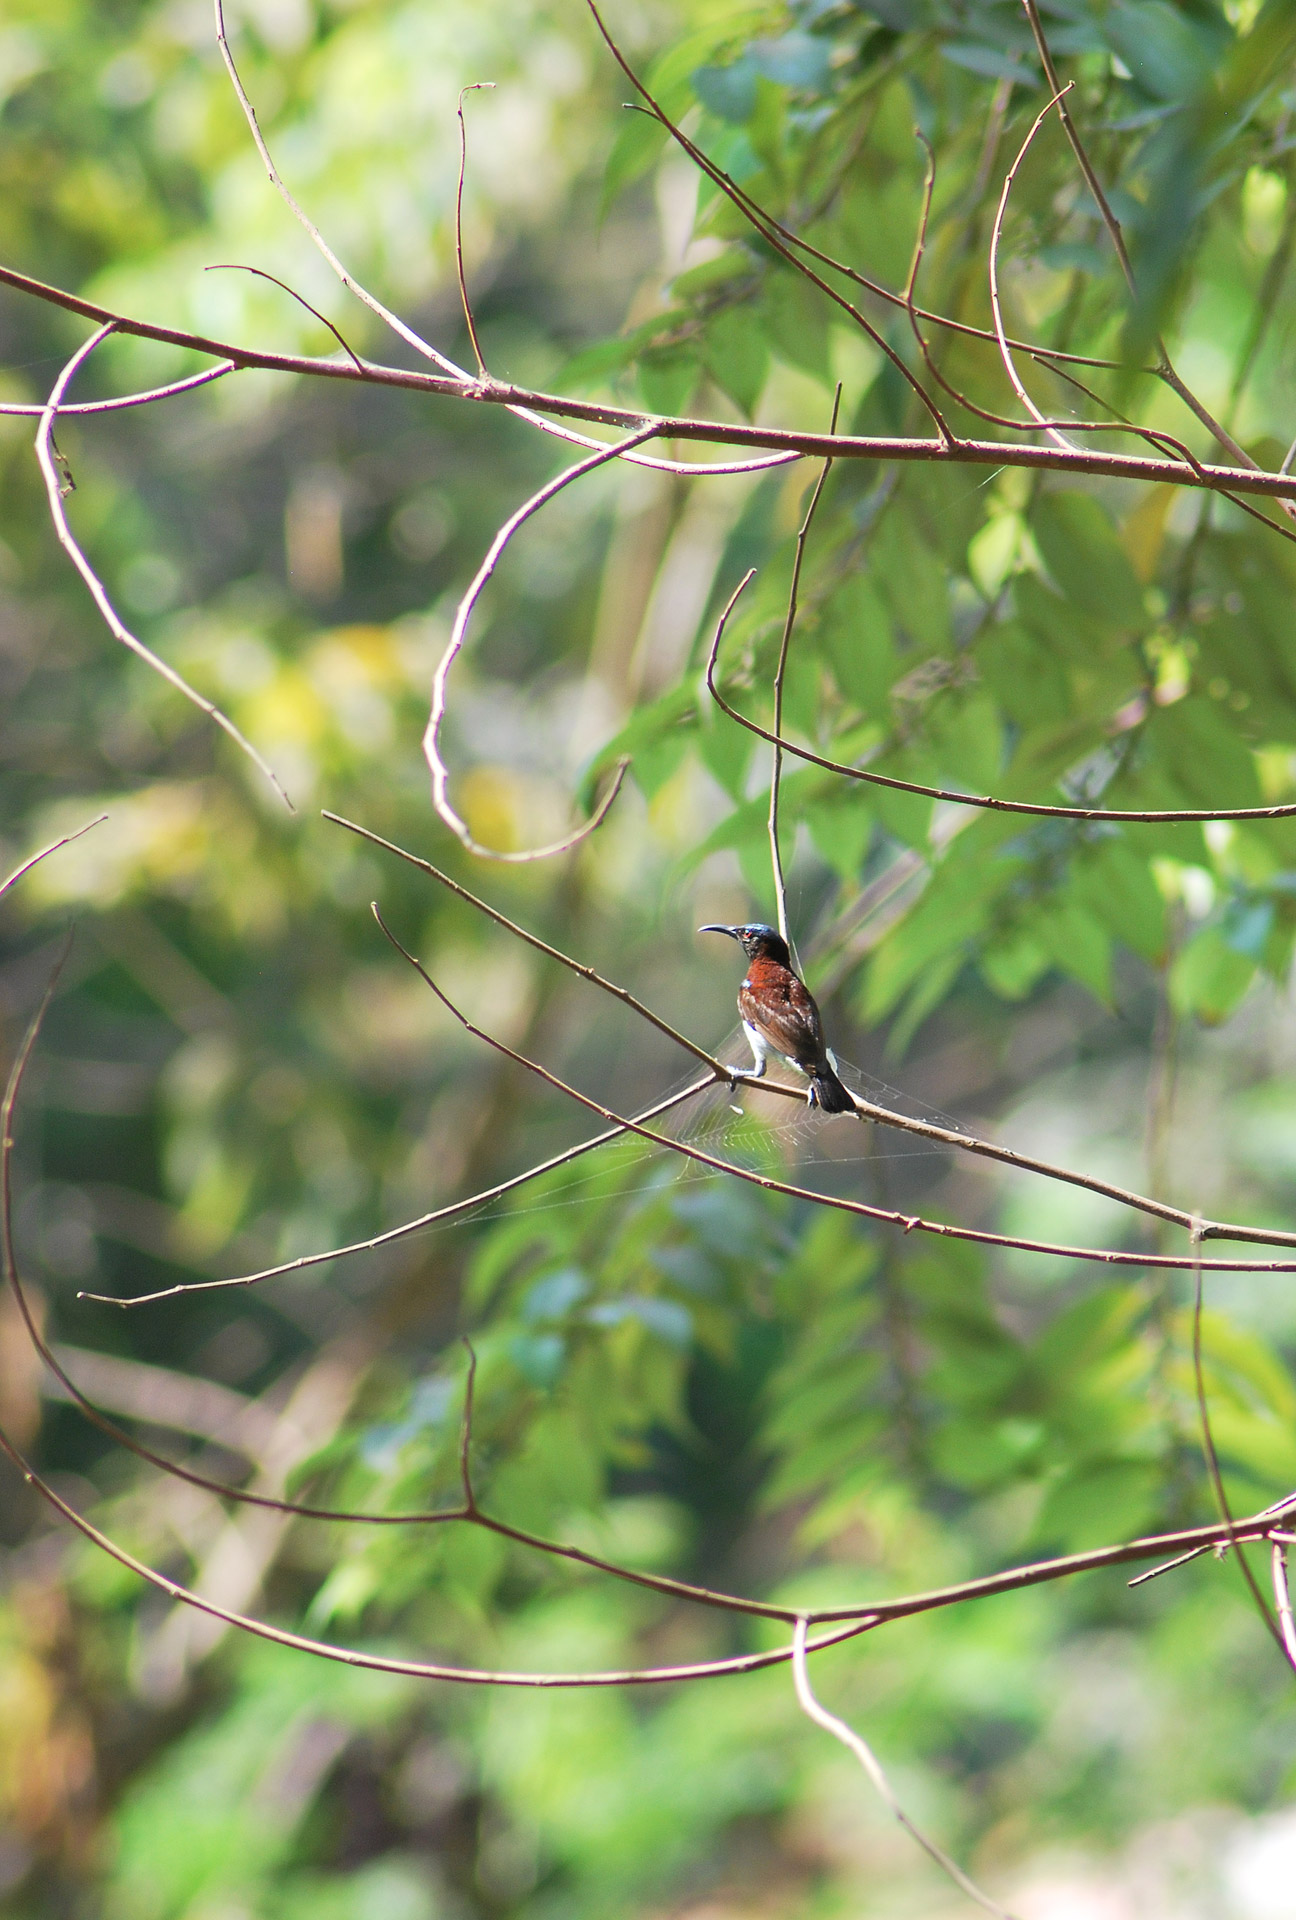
x=622 y=994
x=867 y=1109
x=456 y=1210
x=35 y=859
x=909 y=1223
x=769 y=229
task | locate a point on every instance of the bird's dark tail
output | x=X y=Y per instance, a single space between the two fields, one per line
x=828 y=1093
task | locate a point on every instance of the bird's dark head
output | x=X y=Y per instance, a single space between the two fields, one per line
x=757 y=941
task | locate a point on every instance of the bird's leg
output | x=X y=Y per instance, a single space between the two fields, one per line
x=760 y=1049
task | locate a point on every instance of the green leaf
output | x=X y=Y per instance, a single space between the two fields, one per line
x=1083 y=553
x=797 y=324
x=1169 y=55
x=737 y=355
x=636 y=148
x=857 y=636
x=1098 y=1502
x=1210 y=978
x=728 y=92
x=668 y=377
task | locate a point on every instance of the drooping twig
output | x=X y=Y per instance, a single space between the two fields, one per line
x=47 y=455
x=856 y=1743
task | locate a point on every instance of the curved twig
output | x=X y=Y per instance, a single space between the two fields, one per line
x=1058 y=439
x=789 y=621
x=239 y=266
x=432 y=733
x=55 y=489
x=32 y=409
x=1128 y=816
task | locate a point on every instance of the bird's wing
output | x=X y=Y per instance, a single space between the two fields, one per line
x=790 y=1019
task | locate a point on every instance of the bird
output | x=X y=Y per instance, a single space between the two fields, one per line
x=779 y=1015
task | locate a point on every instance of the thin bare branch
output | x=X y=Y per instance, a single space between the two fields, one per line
x=476 y=86
x=790 y=443
x=458 y=632
x=909 y=1223
x=856 y=1743
x=1282 y=1601
x=1129 y=816
x=375 y=306
x=55 y=489
x=456 y=1210
x=595 y=979
x=53 y=847
x=379 y=1663
x=1208 y=1442
x=789 y=622
x=238 y=266
x=34 y=409
x=1058 y=439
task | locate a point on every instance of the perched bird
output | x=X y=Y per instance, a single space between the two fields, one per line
x=779 y=1015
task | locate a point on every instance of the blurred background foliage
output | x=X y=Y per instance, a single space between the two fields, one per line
x=675 y=1371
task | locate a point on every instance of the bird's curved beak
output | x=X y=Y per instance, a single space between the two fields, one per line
x=731 y=931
